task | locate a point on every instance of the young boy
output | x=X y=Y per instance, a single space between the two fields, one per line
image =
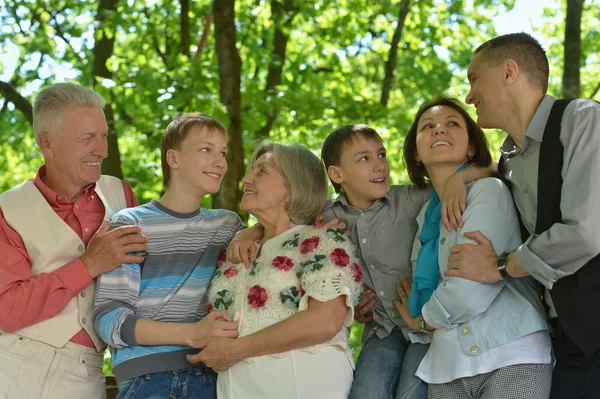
x=383 y=225
x=148 y=312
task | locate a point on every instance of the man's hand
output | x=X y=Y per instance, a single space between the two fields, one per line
x=475 y=262
x=217 y=353
x=363 y=310
x=108 y=250
x=454 y=202
x=215 y=324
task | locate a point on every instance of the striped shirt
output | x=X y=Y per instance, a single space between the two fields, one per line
x=169 y=286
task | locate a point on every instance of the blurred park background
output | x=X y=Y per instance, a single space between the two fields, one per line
x=284 y=70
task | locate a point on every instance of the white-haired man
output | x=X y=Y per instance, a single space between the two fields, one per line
x=54 y=241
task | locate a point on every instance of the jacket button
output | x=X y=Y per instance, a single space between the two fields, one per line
x=443 y=241
x=465 y=331
x=81 y=248
x=474 y=349
x=84 y=320
x=83 y=294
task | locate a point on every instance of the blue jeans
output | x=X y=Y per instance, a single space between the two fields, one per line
x=386 y=369
x=194 y=382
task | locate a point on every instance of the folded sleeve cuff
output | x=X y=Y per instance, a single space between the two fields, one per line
x=536 y=267
x=128 y=330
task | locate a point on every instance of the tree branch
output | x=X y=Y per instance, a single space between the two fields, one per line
x=185 y=27
x=390 y=65
x=20 y=102
x=204 y=37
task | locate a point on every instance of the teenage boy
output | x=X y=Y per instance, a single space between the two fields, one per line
x=550 y=160
x=383 y=225
x=148 y=312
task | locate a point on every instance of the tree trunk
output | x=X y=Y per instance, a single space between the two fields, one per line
x=572 y=49
x=282 y=16
x=230 y=69
x=103 y=50
x=20 y=102
x=390 y=65
x=185 y=27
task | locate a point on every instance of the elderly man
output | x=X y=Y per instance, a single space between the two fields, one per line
x=54 y=243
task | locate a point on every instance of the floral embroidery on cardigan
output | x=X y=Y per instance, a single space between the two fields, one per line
x=223 y=300
x=357 y=272
x=282 y=263
x=291 y=297
x=340 y=257
x=336 y=234
x=222 y=257
x=257 y=296
x=309 y=245
x=289 y=244
x=231 y=272
x=255 y=268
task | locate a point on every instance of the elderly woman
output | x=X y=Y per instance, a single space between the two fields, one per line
x=294 y=304
x=487 y=340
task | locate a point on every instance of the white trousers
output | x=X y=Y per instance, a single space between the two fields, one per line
x=326 y=374
x=33 y=370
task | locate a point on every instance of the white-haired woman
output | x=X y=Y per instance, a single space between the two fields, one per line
x=295 y=302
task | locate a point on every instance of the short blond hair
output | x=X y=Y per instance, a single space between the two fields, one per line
x=304 y=175
x=55 y=100
x=178 y=130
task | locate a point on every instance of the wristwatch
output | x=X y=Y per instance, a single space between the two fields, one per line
x=421 y=324
x=502 y=265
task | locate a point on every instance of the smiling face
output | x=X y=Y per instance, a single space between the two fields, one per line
x=74 y=150
x=363 y=171
x=442 y=138
x=487 y=91
x=265 y=191
x=199 y=163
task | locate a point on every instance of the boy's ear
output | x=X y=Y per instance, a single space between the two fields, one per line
x=335 y=174
x=172 y=159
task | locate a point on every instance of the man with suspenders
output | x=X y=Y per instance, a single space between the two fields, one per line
x=550 y=161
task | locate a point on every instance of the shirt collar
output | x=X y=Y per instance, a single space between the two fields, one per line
x=344 y=201
x=535 y=130
x=51 y=196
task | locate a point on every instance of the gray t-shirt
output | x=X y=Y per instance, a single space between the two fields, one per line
x=384 y=234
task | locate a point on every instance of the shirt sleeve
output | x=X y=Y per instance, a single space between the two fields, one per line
x=330 y=268
x=26 y=299
x=117 y=294
x=566 y=247
x=490 y=210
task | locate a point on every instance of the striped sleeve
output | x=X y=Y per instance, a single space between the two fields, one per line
x=117 y=294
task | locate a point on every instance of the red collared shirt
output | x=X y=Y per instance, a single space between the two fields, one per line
x=25 y=299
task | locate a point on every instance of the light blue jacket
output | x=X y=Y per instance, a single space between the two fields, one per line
x=488 y=315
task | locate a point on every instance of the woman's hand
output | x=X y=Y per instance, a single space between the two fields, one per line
x=217 y=353
x=332 y=224
x=363 y=310
x=454 y=202
x=403 y=289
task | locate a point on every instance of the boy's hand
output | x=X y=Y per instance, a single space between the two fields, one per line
x=454 y=202
x=332 y=224
x=241 y=249
x=363 y=310
x=212 y=326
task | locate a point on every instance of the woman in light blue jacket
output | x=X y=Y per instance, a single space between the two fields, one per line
x=487 y=340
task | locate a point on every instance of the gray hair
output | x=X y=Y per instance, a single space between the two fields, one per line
x=59 y=98
x=304 y=176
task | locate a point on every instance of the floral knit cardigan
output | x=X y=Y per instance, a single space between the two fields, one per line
x=309 y=262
